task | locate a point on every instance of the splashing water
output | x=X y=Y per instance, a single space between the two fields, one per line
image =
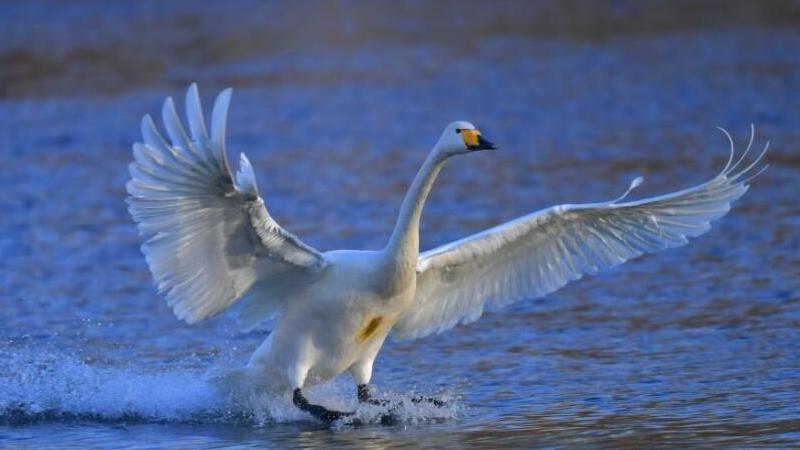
x=43 y=386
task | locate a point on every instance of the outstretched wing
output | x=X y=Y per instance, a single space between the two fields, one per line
x=537 y=254
x=208 y=235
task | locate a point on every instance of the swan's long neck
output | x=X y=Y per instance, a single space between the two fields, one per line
x=403 y=246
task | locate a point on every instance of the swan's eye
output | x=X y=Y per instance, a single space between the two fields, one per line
x=458 y=130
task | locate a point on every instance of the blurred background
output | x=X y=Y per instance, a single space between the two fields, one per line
x=336 y=103
x=87 y=47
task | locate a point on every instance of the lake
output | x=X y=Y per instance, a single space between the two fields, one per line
x=336 y=105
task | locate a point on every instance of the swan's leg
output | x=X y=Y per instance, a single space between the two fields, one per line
x=363 y=393
x=362 y=373
x=364 y=397
x=320 y=412
x=297 y=376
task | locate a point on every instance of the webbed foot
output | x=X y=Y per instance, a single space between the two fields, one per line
x=322 y=413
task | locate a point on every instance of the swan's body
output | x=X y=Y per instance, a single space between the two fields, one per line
x=210 y=240
x=337 y=324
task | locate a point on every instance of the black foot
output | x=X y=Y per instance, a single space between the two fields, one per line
x=322 y=413
x=433 y=401
x=364 y=397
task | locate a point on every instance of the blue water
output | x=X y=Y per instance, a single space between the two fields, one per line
x=694 y=346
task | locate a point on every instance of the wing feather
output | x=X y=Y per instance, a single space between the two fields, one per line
x=537 y=254
x=208 y=240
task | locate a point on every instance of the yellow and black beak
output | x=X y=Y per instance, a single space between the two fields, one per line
x=474 y=141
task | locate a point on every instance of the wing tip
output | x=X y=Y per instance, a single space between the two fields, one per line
x=245 y=181
x=147 y=121
x=192 y=90
x=219 y=119
x=194 y=112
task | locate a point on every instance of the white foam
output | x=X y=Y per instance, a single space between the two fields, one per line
x=38 y=386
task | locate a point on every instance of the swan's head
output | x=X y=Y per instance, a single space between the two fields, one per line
x=462 y=137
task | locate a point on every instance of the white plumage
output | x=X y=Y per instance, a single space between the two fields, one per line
x=209 y=239
x=537 y=254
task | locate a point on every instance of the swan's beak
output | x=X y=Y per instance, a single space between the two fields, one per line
x=474 y=141
x=483 y=144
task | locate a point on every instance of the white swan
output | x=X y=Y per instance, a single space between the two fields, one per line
x=210 y=240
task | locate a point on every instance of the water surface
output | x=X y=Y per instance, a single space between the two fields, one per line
x=695 y=346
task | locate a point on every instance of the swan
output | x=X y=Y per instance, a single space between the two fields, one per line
x=209 y=241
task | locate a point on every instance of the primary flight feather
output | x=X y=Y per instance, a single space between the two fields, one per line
x=209 y=240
